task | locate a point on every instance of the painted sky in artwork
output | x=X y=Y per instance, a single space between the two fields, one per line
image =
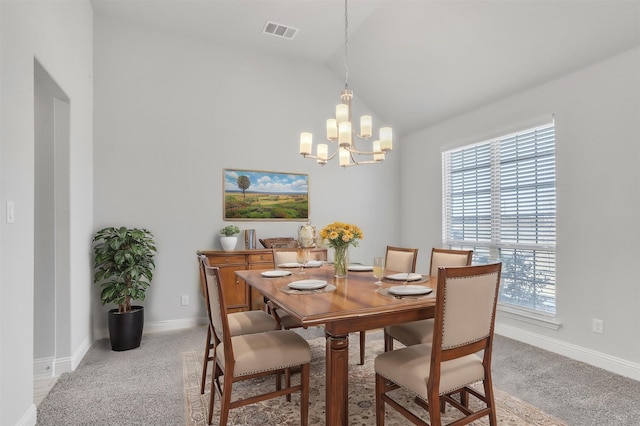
x=267 y=182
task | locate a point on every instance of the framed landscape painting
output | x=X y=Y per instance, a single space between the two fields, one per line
x=260 y=195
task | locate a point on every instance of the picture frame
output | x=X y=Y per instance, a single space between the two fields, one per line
x=258 y=195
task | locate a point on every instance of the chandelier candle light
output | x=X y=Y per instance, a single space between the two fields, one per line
x=340 y=129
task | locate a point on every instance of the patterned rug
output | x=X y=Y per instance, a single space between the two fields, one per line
x=510 y=411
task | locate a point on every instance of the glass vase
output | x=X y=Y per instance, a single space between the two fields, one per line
x=340 y=261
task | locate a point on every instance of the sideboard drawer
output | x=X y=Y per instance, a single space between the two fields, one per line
x=261 y=258
x=232 y=259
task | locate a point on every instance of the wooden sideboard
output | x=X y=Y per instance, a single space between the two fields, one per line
x=238 y=294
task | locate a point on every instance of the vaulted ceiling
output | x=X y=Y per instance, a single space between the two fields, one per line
x=415 y=63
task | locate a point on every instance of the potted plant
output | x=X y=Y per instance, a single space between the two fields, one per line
x=123 y=266
x=228 y=241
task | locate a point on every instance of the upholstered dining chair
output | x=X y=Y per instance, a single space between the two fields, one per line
x=288 y=254
x=281 y=256
x=401 y=259
x=464 y=321
x=239 y=323
x=248 y=356
x=416 y=332
x=397 y=259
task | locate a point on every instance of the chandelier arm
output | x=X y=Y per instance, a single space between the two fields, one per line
x=315 y=157
x=358 y=152
x=358 y=163
x=329 y=158
x=355 y=162
x=364 y=138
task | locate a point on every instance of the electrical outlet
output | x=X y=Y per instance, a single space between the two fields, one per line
x=598 y=326
x=185 y=300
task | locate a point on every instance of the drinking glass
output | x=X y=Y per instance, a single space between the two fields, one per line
x=302 y=257
x=378 y=269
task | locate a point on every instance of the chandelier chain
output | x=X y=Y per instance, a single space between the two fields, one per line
x=346 y=47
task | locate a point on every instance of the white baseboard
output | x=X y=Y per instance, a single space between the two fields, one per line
x=171 y=325
x=156 y=326
x=43 y=368
x=49 y=367
x=77 y=355
x=30 y=417
x=598 y=359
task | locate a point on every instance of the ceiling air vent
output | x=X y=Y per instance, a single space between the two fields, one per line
x=279 y=30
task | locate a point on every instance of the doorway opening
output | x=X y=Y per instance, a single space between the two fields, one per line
x=51 y=325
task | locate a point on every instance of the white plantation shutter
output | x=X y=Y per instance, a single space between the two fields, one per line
x=499 y=199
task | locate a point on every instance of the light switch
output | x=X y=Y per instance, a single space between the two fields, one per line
x=11 y=212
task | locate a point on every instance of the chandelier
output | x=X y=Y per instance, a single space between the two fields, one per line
x=340 y=129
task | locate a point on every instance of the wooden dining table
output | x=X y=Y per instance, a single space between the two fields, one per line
x=355 y=304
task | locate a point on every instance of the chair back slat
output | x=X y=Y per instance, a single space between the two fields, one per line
x=448 y=258
x=400 y=259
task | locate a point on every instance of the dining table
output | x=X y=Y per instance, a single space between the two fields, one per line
x=342 y=306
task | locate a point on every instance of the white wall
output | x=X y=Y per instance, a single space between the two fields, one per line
x=171 y=113
x=59 y=36
x=597 y=116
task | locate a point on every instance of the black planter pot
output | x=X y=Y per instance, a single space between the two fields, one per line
x=125 y=329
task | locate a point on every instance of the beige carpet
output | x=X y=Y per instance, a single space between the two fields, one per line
x=510 y=410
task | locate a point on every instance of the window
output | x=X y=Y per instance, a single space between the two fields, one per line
x=499 y=199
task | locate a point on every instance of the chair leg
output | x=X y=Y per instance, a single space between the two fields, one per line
x=205 y=363
x=278 y=380
x=388 y=343
x=212 y=398
x=379 y=401
x=225 y=402
x=464 y=398
x=362 y=343
x=304 y=397
x=488 y=394
x=287 y=382
x=434 y=409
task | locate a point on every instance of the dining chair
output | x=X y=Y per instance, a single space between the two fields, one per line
x=401 y=259
x=288 y=254
x=239 y=323
x=397 y=259
x=282 y=256
x=466 y=299
x=416 y=332
x=248 y=356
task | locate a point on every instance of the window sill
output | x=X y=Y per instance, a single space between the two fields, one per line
x=529 y=317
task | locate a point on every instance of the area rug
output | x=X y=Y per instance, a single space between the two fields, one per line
x=510 y=410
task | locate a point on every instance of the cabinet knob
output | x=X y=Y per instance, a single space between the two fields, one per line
x=261 y=257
